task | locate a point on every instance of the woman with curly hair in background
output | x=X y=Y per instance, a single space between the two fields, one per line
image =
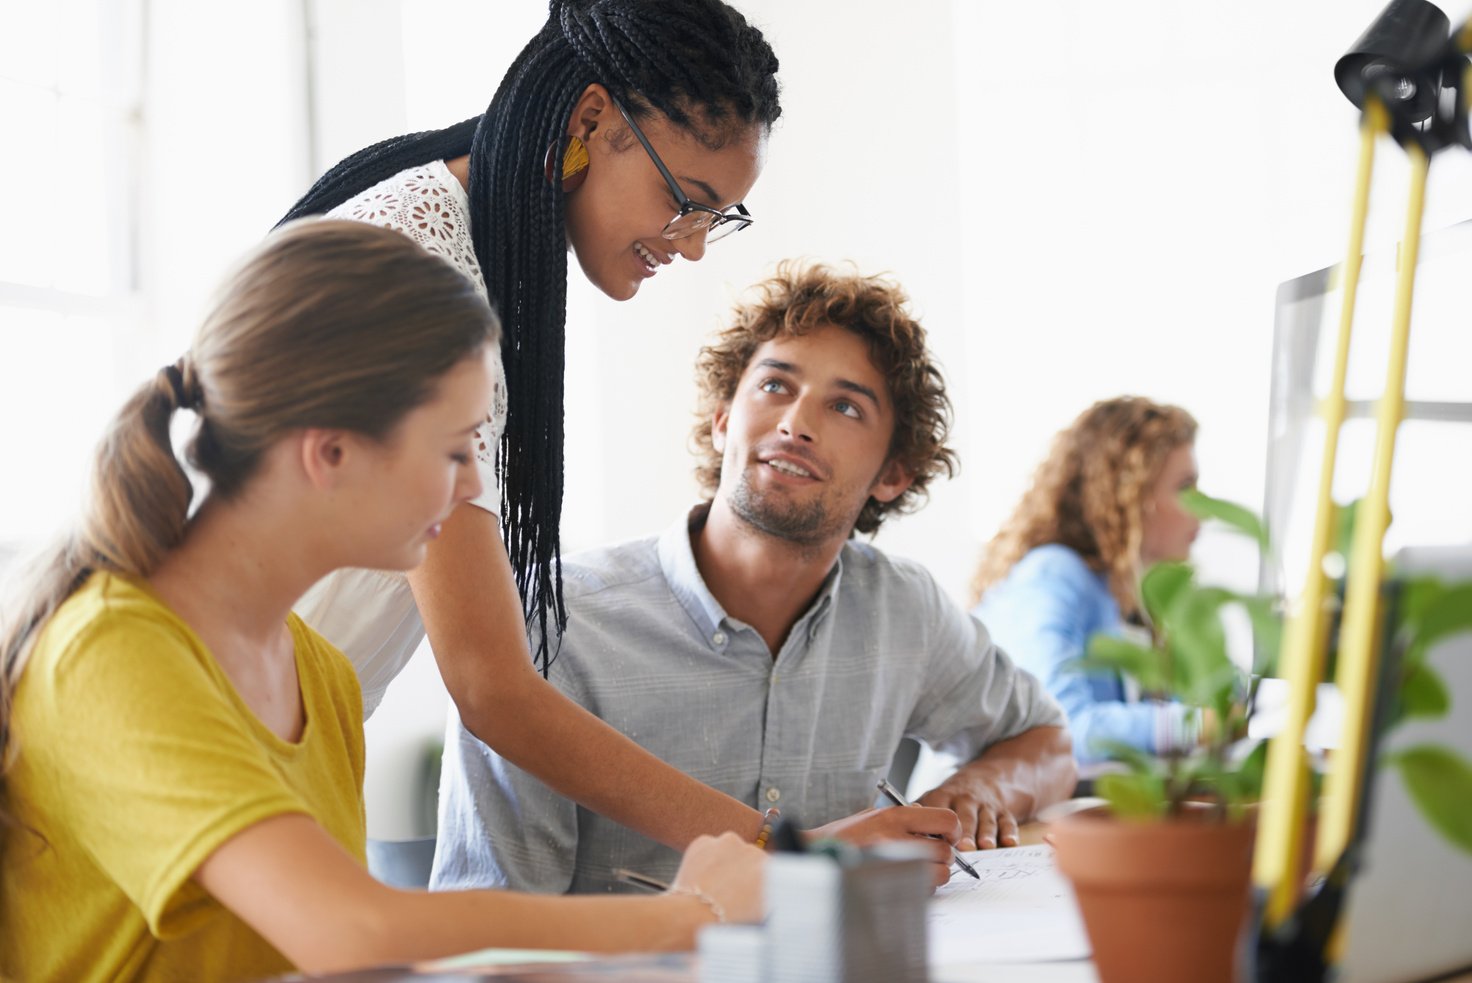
x=1104 y=506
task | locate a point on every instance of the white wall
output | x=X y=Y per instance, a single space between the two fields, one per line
x=225 y=151
x=1134 y=205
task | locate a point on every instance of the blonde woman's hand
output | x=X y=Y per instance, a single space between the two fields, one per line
x=726 y=871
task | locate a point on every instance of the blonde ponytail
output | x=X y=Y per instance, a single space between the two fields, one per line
x=134 y=513
x=328 y=324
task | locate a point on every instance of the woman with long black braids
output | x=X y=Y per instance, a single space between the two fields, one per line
x=630 y=131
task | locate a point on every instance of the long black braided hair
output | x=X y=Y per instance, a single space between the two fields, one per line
x=700 y=64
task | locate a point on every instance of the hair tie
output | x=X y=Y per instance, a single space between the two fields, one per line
x=186 y=392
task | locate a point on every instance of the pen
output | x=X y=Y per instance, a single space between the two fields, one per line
x=893 y=794
x=634 y=877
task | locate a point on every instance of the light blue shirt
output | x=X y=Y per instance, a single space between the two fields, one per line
x=1044 y=613
x=880 y=654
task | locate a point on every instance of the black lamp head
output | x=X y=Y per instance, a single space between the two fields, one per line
x=1399 y=58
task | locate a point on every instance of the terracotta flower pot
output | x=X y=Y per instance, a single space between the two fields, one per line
x=1164 y=902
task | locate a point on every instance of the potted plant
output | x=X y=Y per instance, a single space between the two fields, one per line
x=1162 y=872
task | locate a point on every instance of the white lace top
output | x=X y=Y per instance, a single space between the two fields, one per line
x=429 y=205
x=370 y=614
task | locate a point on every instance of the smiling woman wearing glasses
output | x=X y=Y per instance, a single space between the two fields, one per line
x=691 y=217
x=630 y=131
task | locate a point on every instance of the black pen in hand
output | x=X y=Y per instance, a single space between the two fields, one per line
x=893 y=794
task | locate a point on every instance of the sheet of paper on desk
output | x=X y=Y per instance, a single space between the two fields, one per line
x=541 y=966
x=486 y=958
x=1022 y=910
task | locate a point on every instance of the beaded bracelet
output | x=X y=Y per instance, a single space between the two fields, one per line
x=703 y=898
x=769 y=819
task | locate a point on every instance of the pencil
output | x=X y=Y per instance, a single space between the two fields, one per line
x=642 y=880
x=893 y=794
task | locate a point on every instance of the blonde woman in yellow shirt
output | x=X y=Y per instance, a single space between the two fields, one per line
x=183 y=797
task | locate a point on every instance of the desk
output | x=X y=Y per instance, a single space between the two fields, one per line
x=1069 y=972
x=1031 y=834
x=1020 y=909
x=684 y=968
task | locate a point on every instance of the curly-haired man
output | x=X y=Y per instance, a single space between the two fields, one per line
x=756 y=644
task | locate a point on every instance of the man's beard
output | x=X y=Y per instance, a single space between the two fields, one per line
x=802 y=525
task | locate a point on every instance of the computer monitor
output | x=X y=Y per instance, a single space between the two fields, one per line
x=1432 y=476
x=1409 y=910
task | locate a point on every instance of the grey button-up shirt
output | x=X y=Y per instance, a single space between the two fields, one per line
x=881 y=654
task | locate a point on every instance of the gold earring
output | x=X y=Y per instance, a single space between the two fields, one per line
x=574 y=163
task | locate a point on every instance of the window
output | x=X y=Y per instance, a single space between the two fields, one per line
x=70 y=112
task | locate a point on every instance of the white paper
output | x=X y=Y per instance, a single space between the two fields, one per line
x=1022 y=910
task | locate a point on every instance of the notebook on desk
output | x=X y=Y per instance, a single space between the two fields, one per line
x=525 y=966
x=1018 y=910
x=1409 y=912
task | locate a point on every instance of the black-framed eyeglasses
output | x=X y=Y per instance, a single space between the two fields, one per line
x=692 y=217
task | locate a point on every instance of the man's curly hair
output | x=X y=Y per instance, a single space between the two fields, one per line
x=1089 y=493
x=801 y=298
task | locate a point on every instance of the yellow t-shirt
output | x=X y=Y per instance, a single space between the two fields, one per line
x=136 y=760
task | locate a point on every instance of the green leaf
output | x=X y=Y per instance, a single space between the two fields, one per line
x=1108 y=652
x=1267 y=631
x=1238 y=517
x=1131 y=795
x=1440 y=783
x=1344 y=519
x=1137 y=761
x=1449 y=614
x=1423 y=693
x=1417 y=596
x=1162 y=586
x=1206 y=778
x=1199 y=646
x=1250 y=772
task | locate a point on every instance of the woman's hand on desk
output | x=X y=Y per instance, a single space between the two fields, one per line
x=726 y=874
x=881 y=825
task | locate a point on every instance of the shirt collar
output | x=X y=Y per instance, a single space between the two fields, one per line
x=677 y=558
x=813 y=617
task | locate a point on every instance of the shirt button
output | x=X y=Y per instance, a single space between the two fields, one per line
x=773 y=794
x=719 y=638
